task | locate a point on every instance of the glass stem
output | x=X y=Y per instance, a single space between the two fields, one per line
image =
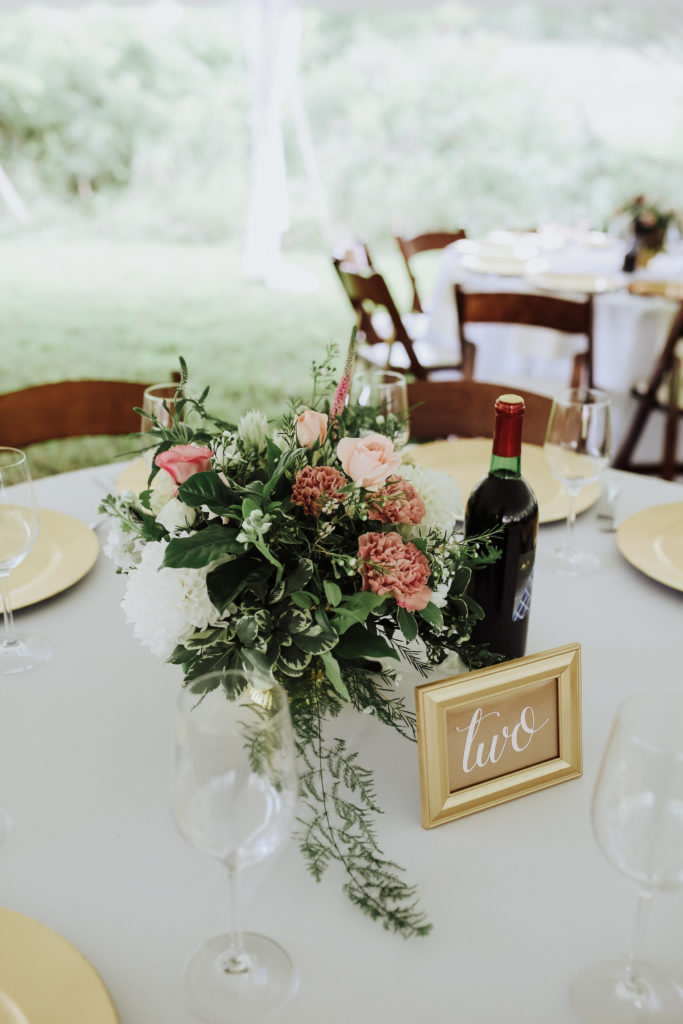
x=10 y=637
x=571 y=519
x=632 y=988
x=236 y=959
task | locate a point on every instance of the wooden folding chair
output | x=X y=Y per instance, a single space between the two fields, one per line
x=354 y=251
x=465 y=408
x=661 y=393
x=70 y=408
x=529 y=309
x=410 y=247
x=392 y=347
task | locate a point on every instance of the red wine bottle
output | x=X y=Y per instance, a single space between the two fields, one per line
x=504 y=498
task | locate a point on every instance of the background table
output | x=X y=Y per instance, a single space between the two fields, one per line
x=629 y=330
x=519 y=895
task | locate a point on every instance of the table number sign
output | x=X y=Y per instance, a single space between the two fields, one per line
x=498 y=733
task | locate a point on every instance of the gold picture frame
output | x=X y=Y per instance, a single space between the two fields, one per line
x=498 y=733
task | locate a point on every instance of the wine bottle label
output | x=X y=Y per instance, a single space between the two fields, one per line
x=525 y=579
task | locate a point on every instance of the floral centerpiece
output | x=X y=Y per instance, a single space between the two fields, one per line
x=649 y=224
x=317 y=553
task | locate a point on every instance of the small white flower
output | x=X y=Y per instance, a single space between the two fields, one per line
x=253 y=429
x=226 y=450
x=176 y=515
x=123 y=547
x=162 y=490
x=165 y=606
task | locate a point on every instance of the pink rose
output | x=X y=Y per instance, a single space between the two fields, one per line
x=184 y=460
x=390 y=566
x=311 y=426
x=398 y=502
x=368 y=460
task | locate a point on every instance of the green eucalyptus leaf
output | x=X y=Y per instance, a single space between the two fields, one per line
x=332 y=592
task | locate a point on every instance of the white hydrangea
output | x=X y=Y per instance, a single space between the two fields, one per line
x=253 y=429
x=165 y=606
x=123 y=547
x=442 y=497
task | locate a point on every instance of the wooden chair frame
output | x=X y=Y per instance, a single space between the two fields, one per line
x=70 y=408
x=465 y=408
x=369 y=291
x=430 y=240
x=529 y=309
x=668 y=364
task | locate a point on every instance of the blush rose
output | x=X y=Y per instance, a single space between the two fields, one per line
x=390 y=566
x=311 y=426
x=184 y=460
x=369 y=461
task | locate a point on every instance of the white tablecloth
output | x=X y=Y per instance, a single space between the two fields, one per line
x=519 y=895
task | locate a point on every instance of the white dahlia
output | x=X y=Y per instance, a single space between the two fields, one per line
x=442 y=497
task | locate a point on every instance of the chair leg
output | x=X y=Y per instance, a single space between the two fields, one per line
x=671 y=425
x=623 y=457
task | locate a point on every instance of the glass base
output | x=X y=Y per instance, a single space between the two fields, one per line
x=604 y=992
x=27 y=651
x=568 y=562
x=262 y=981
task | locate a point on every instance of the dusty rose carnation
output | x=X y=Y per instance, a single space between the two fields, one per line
x=389 y=566
x=398 y=502
x=316 y=485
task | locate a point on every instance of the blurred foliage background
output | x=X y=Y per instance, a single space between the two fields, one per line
x=125 y=130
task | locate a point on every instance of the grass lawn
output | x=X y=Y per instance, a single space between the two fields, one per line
x=99 y=309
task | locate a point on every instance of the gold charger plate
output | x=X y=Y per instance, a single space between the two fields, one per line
x=467 y=460
x=594 y=284
x=65 y=551
x=45 y=980
x=652 y=541
x=659 y=289
x=134 y=477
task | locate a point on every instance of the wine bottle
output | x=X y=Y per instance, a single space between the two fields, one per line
x=505 y=499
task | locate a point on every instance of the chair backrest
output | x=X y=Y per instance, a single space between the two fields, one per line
x=354 y=251
x=530 y=309
x=430 y=240
x=665 y=377
x=465 y=408
x=70 y=408
x=368 y=292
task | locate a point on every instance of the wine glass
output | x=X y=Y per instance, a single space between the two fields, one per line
x=577 y=447
x=387 y=392
x=159 y=407
x=637 y=815
x=234 y=796
x=19 y=519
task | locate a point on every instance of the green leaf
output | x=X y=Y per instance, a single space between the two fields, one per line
x=292 y=660
x=354 y=608
x=249 y=505
x=206 y=489
x=227 y=581
x=432 y=615
x=303 y=599
x=360 y=642
x=407 y=624
x=332 y=592
x=199 y=549
x=298 y=577
x=316 y=641
x=247 y=630
x=334 y=675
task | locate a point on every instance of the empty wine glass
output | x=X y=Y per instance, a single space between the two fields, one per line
x=234 y=795
x=637 y=815
x=577 y=447
x=387 y=392
x=159 y=407
x=19 y=520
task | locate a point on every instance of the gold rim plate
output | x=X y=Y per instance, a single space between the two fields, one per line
x=45 y=980
x=500 y=267
x=593 y=284
x=658 y=289
x=652 y=541
x=467 y=460
x=65 y=551
x=134 y=477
